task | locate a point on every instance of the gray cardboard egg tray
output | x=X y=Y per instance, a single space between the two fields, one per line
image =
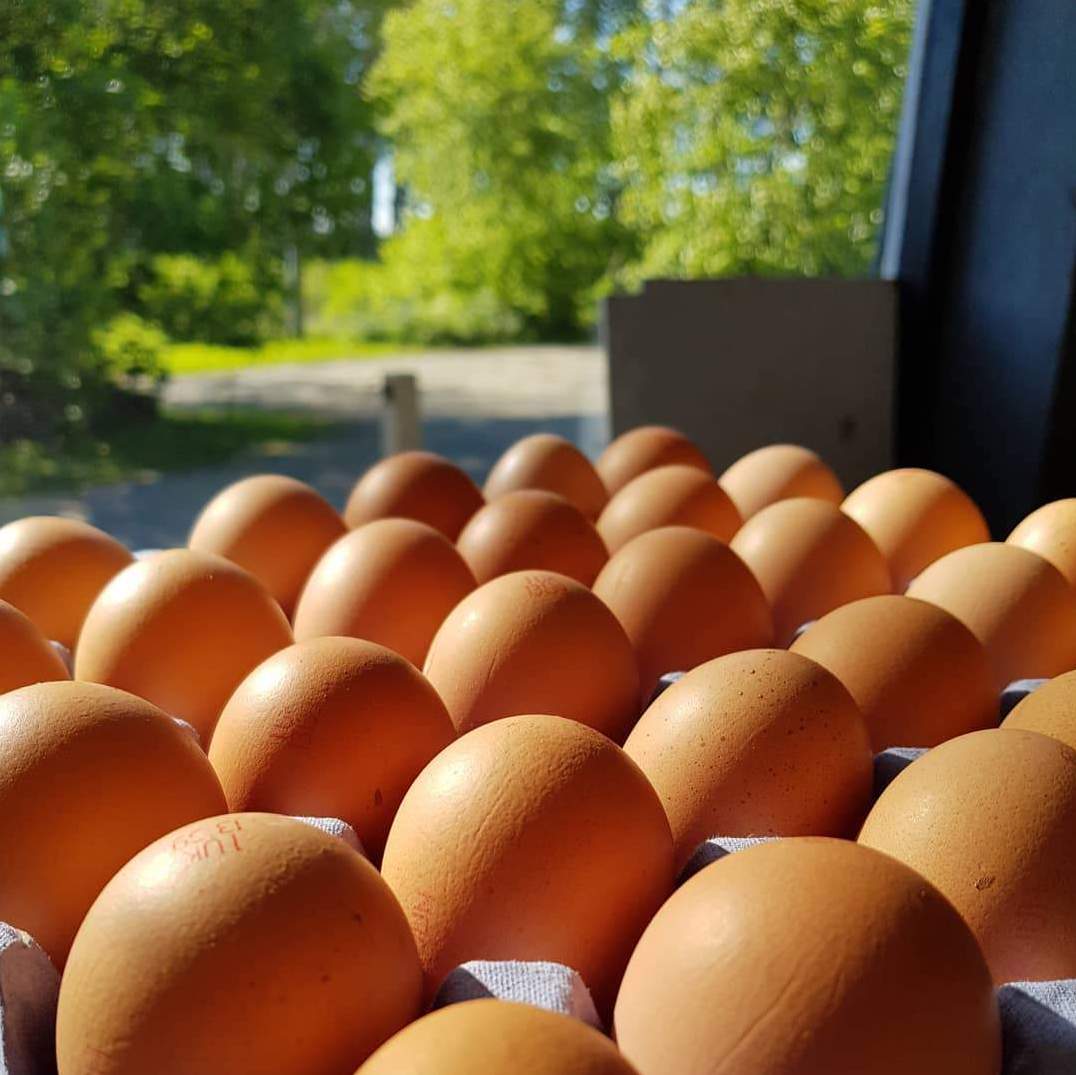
x=1038 y=1018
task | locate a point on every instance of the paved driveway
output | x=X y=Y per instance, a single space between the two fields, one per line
x=474 y=403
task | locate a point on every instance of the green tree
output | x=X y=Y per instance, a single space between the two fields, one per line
x=130 y=128
x=755 y=136
x=498 y=118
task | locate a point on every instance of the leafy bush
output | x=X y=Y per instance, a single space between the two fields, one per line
x=217 y=301
x=387 y=300
x=130 y=348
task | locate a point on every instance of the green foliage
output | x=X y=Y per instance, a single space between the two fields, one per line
x=182 y=358
x=130 y=349
x=755 y=136
x=498 y=117
x=217 y=300
x=393 y=301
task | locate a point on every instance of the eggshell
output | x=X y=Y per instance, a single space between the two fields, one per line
x=806 y=956
x=809 y=558
x=332 y=727
x=1050 y=710
x=392 y=581
x=25 y=654
x=415 y=485
x=535 y=641
x=533 y=837
x=668 y=496
x=531 y=528
x=917 y=673
x=1017 y=604
x=915 y=517
x=683 y=598
x=645 y=448
x=778 y=472
x=546 y=461
x=243 y=943
x=273 y=526
x=496 y=1037
x=52 y=569
x=1050 y=531
x=990 y=818
x=760 y=743
x=180 y=629
x=89 y=775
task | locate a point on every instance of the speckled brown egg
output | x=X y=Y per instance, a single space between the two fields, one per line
x=332 y=727
x=181 y=629
x=683 y=598
x=52 y=569
x=809 y=557
x=779 y=472
x=242 y=943
x=990 y=818
x=759 y=743
x=1017 y=604
x=531 y=838
x=89 y=775
x=25 y=654
x=645 y=448
x=273 y=526
x=917 y=673
x=535 y=641
x=415 y=485
x=392 y=581
x=806 y=956
x=531 y=528
x=546 y=461
x=915 y=517
x=668 y=496
x=1050 y=531
x=1051 y=710
x=497 y=1037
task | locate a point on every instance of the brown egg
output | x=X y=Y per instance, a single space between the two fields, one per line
x=333 y=727
x=645 y=448
x=668 y=496
x=272 y=526
x=243 y=943
x=52 y=569
x=535 y=641
x=497 y=1037
x=683 y=598
x=1050 y=531
x=759 y=743
x=918 y=674
x=415 y=485
x=546 y=461
x=392 y=582
x=1050 y=710
x=531 y=528
x=25 y=654
x=808 y=956
x=531 y=838
x=990 y=818
x=809 y=558
x=1017 y=604
x=181 y=629
x=778 y=472
x=915 y=517
x=89 y=775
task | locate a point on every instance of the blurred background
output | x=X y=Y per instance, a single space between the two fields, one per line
x=223 y=222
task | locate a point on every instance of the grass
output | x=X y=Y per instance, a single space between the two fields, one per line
x=181 y=358
x=140 y=451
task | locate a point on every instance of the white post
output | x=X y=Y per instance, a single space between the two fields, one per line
x=401 y=422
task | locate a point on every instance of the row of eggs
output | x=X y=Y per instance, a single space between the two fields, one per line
x=759 y=741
